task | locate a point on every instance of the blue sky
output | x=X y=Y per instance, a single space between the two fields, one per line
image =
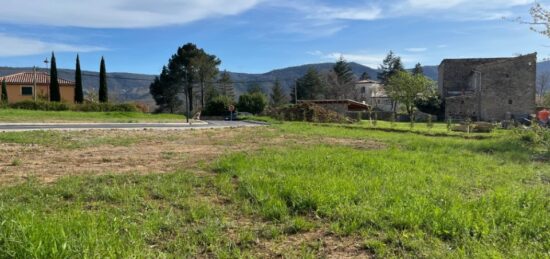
x=257 y=36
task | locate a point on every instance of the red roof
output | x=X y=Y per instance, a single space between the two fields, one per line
x=27 y=78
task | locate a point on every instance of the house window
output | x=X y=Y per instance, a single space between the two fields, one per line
x=510 y=102
x=26 y=90
x=363 y=90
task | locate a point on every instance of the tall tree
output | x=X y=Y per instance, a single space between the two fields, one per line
x=278 y=97
x=341 y=81
x=390 y=66
x=78 y=92
x=418 y=70
x=165 y=90
x=206 y=68
x=308 y=87
x=405 y=88
x=183 y=69
x=55 y=95
x=226 y=85
x=103 y=90
x=4 y=95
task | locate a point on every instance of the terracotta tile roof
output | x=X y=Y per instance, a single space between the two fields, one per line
x=27 y=78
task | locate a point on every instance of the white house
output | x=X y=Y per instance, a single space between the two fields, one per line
x=372 y=93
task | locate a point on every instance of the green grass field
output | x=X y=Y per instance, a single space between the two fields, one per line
x=307 y=191
x=15 y=115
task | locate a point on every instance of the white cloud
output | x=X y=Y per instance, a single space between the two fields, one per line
x=118 y=13
x=370 y=60
x=416 y=49
x=459 y=9
x=12 y=46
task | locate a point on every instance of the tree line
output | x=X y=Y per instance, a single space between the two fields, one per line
x=54 y=90
x=193 y=73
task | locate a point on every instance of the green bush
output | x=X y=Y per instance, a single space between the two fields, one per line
x=106 y=107
x=218 y=106
x=86 y=107
x=40 y=105
x=254 y=103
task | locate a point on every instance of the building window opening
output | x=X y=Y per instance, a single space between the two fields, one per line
x=510 y=102
x=363 y=90
x=26 y=90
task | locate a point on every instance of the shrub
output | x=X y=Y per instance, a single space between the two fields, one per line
x=308 y=112
x=254 y=103
x=40 y=106
x=106 y=107
x=218 y=106
x=86 y=107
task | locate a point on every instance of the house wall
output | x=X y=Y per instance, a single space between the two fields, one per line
x=508 y=88
x=15 y=94
x=460 y=107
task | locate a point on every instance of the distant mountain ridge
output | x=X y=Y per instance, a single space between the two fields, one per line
x=135 y=87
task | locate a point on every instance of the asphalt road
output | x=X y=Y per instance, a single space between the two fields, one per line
x=125 y=126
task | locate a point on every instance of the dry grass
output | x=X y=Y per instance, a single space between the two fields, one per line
x=142 y=152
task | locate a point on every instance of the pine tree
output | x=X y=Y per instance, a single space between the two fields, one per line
x=308 y=87
x=166 y=92
x=390 y=66
x=78 y=92
x=103 y=91
x=4 y=96
x=418 y=70
x=55 y=95
x=226 y=85
x=207 y=69
x=278 y=97
x=341 y=81
x=343 y=71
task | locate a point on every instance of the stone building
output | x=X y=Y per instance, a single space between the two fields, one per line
x=491 y=89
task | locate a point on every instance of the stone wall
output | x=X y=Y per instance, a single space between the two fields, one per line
x=489 y=89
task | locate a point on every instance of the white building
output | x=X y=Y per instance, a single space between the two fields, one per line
x=372 y=93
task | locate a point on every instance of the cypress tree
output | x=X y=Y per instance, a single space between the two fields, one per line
x=55 y=95
x=4 y=97
x=103 y=94
x=78 y=93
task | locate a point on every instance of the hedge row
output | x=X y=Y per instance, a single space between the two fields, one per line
x=85 y=107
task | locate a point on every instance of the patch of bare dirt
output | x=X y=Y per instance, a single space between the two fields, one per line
x=151 y=152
